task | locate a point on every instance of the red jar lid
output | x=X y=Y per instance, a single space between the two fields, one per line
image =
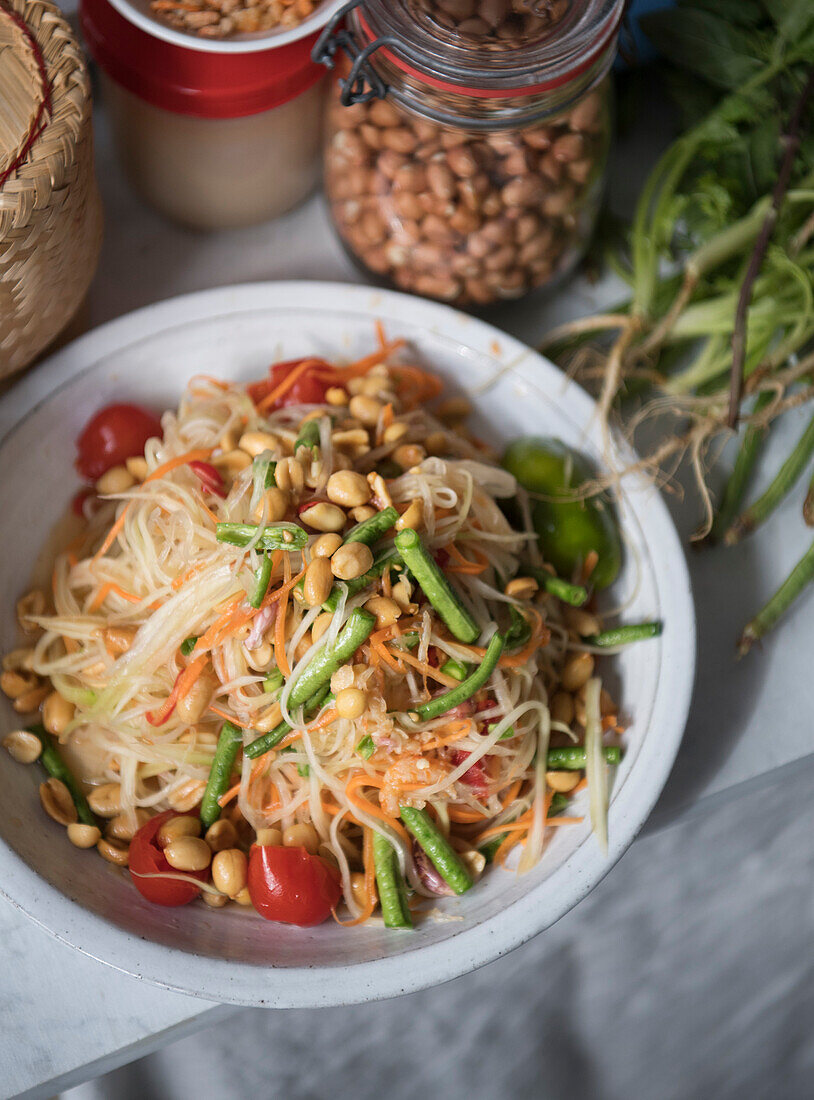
x=191 y=81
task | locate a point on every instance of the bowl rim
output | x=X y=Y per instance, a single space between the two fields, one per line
x=263 y=40
x=234 y=982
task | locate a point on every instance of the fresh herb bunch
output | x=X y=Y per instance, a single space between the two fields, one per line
x=719 y=326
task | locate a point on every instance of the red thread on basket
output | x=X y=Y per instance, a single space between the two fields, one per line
x=39 y=122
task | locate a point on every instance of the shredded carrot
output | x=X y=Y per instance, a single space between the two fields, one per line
x=230 y=718
x=591 y=562
x=226 y=798
x=105 y=591
x=361 y=779
x=511 y=794
x=387 y=657
x=381 y=336
x=465 y=817
x=289 y=739
x=460 y=728
x=290 y=379
x=273 y=802
x=367 y=362
x=199 y=455
x=181 y=688
x=179 y=582
x=207 y=639
x=428 y=670
x=553 y=822
x=326 y=719
x=385 y=421
x=462 y=564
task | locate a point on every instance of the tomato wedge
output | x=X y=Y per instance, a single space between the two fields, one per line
x=147 y=858
x=476 y=777
x=307 y=390
x=291 y=886
x=115 y=433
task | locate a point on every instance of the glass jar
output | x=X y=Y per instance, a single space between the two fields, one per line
x=465 y=153
x=211 y=139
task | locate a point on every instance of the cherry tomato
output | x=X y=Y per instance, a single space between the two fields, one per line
x=114 y=434
x=147 y=858
x=476 y=777
x=307 y=390
x=210 y=477
x=292 y=886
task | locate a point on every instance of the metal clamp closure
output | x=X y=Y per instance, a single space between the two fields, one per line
x=362 y=83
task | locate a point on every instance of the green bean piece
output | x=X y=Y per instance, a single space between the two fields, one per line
x=229 y=742
x=624 y=635
x=520 y=630
x=381 y=561
x=371 y=530
x=789 y=474
x=188 y=644
x=51 y=760
x=277 y=536
x=437 y=848
x=262 y=576
x=573 y=594
x=456 y=669
x=273 y=681
x=797 y=581
x=572 y=758
x=435 y=586
x=268 y=741
x=327 y=660
x=366 y=747
x=745 y=462
x=309 y=435
x=390 y=884
x=271 y=476
x=474 y=682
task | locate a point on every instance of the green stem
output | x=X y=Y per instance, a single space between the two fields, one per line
x=797 y=581
x=748 y=454
x=808 y=505
x=790 y=473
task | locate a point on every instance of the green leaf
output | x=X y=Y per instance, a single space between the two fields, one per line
x=366 y=747
x=793 y=18
x=188 y=644
x=740 y=13
x=704 y=44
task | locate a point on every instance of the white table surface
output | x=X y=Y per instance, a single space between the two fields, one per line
x=65 y=1017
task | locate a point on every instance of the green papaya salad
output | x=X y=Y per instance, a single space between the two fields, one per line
x=313 y=650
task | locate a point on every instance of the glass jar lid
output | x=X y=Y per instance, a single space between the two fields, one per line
x=400 y=48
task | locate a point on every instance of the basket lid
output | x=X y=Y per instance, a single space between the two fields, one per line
x=192 y=82
x=24 y=92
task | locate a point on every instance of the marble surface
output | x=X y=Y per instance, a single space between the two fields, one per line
x=65 y=1017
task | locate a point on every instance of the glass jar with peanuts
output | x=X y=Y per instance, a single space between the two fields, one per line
x=467 y=140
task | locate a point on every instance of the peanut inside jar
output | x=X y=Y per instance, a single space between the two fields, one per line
x=463 y=216
x=494 y=24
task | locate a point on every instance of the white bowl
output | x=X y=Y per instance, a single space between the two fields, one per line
x=139 y=13
x=233 y=955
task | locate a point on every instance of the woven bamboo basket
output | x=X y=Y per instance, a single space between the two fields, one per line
x=50 y=214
